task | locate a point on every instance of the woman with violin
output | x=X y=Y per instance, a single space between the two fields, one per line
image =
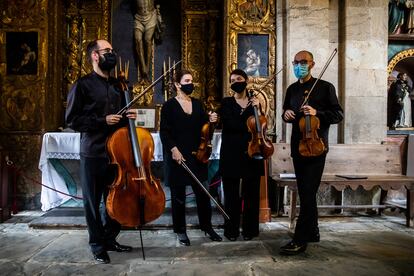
x=311 y=106
x=182 y=118
x=93 y=102
x=240 y=173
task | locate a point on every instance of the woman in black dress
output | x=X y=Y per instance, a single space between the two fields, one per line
x=182 y=118
x=237 y=169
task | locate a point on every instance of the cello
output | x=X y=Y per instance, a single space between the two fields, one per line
x=136 y=196
x=311 y=144
x=260 y=146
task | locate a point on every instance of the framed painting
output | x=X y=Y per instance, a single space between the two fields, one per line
x=253 y=54
x=22 y=53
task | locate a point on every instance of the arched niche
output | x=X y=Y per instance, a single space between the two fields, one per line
x=402 y=62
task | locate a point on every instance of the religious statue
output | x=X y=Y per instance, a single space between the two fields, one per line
x=410 y=19
x=396 y=95
x=396 y=16
x=148 y=24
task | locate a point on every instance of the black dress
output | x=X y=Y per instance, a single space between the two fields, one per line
x=237 y=168
x=182 y=130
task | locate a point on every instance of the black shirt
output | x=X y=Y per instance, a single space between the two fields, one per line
x=234 y=160
x=90 y=100
x=323 y=99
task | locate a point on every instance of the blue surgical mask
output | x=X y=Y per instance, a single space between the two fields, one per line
x=300 y=70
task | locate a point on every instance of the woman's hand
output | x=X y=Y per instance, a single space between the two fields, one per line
x=176 y=155
x=255 y=101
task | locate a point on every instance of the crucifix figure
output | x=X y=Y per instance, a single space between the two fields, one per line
x=146 y=19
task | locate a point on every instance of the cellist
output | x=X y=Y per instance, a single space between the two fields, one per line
x=240 y=173
x=322 y=103
x=93 y=102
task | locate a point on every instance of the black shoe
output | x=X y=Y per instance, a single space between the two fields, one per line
x=102 y=257
x=213 y=235
x=247 y=238
x=230 y=238
x=118 y=247
x=293 y=248
x=183 y=239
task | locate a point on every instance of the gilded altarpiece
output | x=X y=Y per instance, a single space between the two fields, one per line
x=27 y=95
x=200 y=47
x=33 y=103
x=248 y=20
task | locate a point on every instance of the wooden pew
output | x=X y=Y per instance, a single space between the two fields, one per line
x=380 y=164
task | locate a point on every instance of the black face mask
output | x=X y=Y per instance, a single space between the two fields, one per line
x=107 y=62
x=239 y=86
x=187 y=88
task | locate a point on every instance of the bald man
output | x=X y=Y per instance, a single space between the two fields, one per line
x=322 y=103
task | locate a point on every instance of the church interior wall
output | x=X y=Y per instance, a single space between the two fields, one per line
x=357 y=28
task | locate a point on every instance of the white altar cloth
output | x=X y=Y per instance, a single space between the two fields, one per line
x=66 y=145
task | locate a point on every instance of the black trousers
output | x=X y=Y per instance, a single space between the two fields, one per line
x=178 y=197
x=308 y=177
x=233 y=196
x=96 y=175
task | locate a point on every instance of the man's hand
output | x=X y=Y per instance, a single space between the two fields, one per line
x=289 y=115
x=132 y=113
x=113 y=119
x=308 y=110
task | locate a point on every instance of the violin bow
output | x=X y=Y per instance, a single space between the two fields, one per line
x=305 y=101
x=120 y=112
x=184 y=165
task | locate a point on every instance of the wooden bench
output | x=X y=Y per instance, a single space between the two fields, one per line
x=381 y=164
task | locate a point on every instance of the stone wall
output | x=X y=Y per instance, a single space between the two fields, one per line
x=359 y=30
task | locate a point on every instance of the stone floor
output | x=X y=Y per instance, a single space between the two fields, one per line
x=360 y=245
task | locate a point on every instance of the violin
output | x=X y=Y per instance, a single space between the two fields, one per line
x=136 y=196
x=260 y=146
x=311 y=144
x=207 y=131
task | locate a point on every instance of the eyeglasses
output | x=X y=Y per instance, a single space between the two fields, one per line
x=301 y=62
x=106 y=50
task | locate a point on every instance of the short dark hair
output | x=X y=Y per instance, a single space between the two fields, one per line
x=180 y=73
x=92 y=46
x=239 y=72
